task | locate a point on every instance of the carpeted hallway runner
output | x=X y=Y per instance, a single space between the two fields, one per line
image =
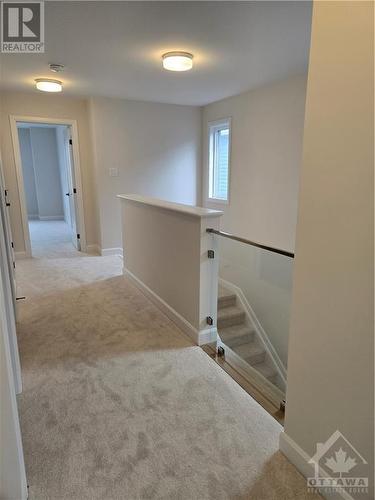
x=118 y=403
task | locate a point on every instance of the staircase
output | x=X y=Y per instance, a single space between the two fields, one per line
x=236 y=333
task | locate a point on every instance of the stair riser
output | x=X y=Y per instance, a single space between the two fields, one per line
x=256 y=358
x=236 y=319
x=226 y=302
x=237 y=341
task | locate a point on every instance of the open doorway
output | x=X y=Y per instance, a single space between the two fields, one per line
x=49 y=186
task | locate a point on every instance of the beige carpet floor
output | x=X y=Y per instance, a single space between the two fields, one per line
x=118 y=403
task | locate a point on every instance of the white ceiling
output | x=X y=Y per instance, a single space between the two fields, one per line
x=114 y=48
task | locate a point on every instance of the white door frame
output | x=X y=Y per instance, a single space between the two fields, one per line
x=14 y=119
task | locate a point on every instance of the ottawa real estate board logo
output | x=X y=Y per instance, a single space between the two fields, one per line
x=338 y=467
x=22 y=27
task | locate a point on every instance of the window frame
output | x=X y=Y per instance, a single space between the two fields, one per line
x=212 y=128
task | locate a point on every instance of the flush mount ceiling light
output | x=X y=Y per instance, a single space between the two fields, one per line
x=177 y=61
x=48 y=85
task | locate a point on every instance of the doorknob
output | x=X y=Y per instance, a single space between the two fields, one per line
x=67 y=194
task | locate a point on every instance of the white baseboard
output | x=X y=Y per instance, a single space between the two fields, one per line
x=20 y=255
x=93 y=249
x=200 y=337
x=112 y=251
x=51 y=217
x=33 y=217
x=300 y=459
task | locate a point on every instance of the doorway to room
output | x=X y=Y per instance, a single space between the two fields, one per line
x=48 y=175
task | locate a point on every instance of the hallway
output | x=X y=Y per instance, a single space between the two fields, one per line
x=51 y=239
x=118 y=404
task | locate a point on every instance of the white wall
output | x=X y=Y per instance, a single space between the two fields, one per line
x=28 y=172
x=156 y=149
x=48 y=106
x=267 y=131
x=47 y=174
x=266 y=151
x=331 y=354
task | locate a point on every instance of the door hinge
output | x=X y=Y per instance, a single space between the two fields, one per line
x=70 y=141
x=6 y=192
x=211 y=254
x=12 y=244
x=74 y=190
x=78 y=236
x=7 y=204
x=209 y=320
x=14 y=265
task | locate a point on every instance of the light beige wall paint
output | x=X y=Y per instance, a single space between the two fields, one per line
x=331 y=377
x=156 y=149
x=267 y=130
x=266 y=153
x=48 y=106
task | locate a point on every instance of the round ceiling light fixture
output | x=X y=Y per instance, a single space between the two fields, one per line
x=48 y=85
x=177 y=61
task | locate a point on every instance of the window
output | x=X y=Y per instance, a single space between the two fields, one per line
x=218 y=160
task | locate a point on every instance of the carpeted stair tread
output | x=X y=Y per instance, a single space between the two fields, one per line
x=227 y=300
x=267 y=371
x=236 y=335
x=229 y=316
x=251 y=353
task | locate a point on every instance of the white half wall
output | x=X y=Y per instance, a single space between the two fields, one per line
x=165 y=253
x=153 y=149
x=331 y=352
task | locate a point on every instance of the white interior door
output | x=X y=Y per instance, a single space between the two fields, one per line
x=72 y=190
x=7 y=267
x=4 y=214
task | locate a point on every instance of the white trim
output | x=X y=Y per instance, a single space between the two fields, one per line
x=21 y=255
x=112 y=251
x=93 y=249
x=268 y=389
x=267 y=344
x=199 y=337
x=20 y=184
x=51 y=217
x=300 y=459
x=78 y=180
x=33 y=216
x=76 y=166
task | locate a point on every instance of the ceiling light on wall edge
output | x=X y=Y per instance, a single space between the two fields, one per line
x=177 y=61
x=48 y=85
